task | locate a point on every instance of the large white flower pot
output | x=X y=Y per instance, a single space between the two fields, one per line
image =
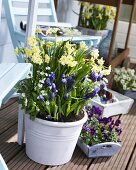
x=51 y=143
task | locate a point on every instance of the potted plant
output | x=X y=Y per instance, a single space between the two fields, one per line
x=125 y=81
x=93 y=21
x=99 y=136
x=54 y=97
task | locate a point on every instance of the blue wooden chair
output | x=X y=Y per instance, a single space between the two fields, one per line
x=17 y=10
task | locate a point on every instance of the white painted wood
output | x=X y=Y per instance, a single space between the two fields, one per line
x=20 y=125
x=0 y=11
x=24 y=11
x=54 y=24
x=31 y=18
x=40 y=1
x=4 y=68
x=9 y=79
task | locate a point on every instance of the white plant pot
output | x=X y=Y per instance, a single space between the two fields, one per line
x=51 y=143
x=105 y=149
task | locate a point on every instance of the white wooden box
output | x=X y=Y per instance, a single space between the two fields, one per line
x=120 y=107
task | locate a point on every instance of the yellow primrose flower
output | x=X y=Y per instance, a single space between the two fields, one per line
x=106 y=71
x=85 y=4
x=38 y=30
x=47 y=58
x=72 y=63
x=83 y=45
x=28 y=52
x=100 y=61
x=70 y=58
x=49 y=44
x=36 y=58
x=99 y=16
x=52 y=31
x=16 y=51
x=63 y=60
x=95 y=53
x=31 y=41
x=69 y=48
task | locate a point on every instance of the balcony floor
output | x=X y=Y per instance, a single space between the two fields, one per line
x=16 y=158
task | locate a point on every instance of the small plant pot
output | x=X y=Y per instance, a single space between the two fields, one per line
x=106 y=149
x=122 y=106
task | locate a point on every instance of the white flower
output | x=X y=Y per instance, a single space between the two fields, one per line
x=23 y=95
x=47 y=103
x=25 y=101
x=42 y=73
x=46 y=74
x=47 y=68
x=105 y=80
x=42 y=81
x=40 y=85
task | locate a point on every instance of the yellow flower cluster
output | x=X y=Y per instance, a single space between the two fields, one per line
x=83 y=45
x=96 y=16
x=52 y=31
x=36 y=58
x=68 y=60
x=95 y=53
x=31 y=41
x=69 y=47
x=47 y=58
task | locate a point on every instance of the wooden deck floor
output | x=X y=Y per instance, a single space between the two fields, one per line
x=16 y=158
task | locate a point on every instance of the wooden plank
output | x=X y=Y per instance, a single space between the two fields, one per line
x=109 y=2
x=132 y=163
x=24 y=11
x=10 y=102
x=8 y=117
x=8 y=145
x=26 y=1
x=5 y=67
x=10 y=79
x=121 y=57
x=22 y=162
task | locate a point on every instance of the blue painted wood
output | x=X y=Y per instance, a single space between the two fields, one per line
x=3 y=165
x=10 y=77
x=11 y=12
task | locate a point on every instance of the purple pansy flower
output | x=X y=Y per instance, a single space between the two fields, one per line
x=117 y=123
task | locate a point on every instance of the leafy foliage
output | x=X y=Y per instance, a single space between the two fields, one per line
x=60 y=86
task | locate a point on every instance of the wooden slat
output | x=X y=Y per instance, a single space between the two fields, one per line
x=109 y=2
x=16 y=158
x=10 y=79
x=8 y=145
x=24 y=11
x=5 y=67
x=121 y=57
x=8 y=117
x=21 y=161
x=26 y=1
x=10 y=102
x=132 y=163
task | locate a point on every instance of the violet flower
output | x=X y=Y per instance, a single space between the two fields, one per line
x=52 y=76
x=40 y=97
